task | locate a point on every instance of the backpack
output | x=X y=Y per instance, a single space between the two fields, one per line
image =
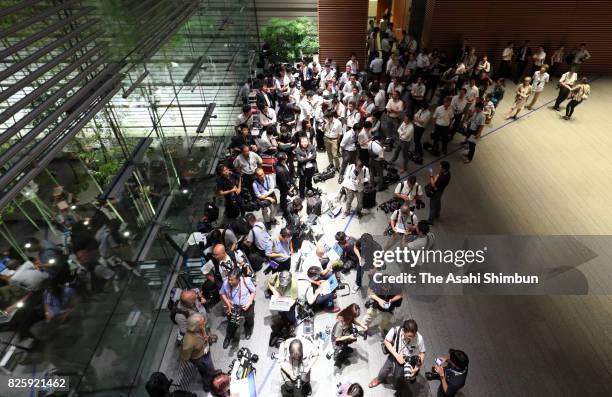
x=211 y=211
x=240 y=227
x=177 y=310
x=158 y=384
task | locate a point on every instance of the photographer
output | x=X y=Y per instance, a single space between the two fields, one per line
x=246 y=163
x=406 y=353
x=295 y=224
x=306 y=156
x=297 y=356
x=383 y=300
x=451 y=371
x=403 y=224
x=229 y=186
x=242 y=138
x=350 y=390
x=223 y=236
x=351 y=257
x=284 y=182
x=191 y=302
x=345 y=332
x=263 y=187
x=348 y=146
x=284 y=284
x=316 y=296
x=244 y=118
x=238 y=295
x=257 y=242
x=221 y=386
x=196 y=348
x=279 y=253
x=410 y=192
x=355 y=178
x=326 y=267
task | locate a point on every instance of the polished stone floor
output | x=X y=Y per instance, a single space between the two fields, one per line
x=533 y=176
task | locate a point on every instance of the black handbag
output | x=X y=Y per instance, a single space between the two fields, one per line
x=429 y=190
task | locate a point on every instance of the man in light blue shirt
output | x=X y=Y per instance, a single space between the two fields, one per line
x=256 y=242
x=281 y=250
x=263 y=187
x=238 y=295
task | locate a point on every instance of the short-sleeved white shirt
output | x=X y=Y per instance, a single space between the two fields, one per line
x=412 y=348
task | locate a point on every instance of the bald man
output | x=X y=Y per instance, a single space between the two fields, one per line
x=219 y=266
x=190 y=303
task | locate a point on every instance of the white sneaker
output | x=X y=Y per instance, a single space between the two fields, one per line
x=355 y=289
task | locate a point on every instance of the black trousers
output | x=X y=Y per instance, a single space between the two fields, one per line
x=520 y=68
x=553 y=69
x=471 y=150
x=415 y=105
x=306 y=180
x=284 y=202
x=456 y=124
x=249 y=320
x=347 y=158
x=563 y=93
x=359 y=275
x=435 y=206
x=418 y=136
x=207 y=370
x=403 y=147
x=247 y=182
x=569 y=110
x=376 y=172
x=440 y=135
x=505 y=69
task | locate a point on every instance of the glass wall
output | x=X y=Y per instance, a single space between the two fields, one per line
x=99 y=218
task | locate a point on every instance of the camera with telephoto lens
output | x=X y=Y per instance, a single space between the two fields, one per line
x=235 y=315
x=410 y=363
x=244 y=364
x=245 y=354
x=303 y=311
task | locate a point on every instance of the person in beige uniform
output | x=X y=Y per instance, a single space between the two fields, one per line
x=196 y=348
x=523 y=92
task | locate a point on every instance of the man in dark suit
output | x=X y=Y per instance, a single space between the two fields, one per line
x=523 y=55
x=306 y=76
x=265 y=97
x=283 y=182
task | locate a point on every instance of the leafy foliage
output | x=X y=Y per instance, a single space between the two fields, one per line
x=289 y=40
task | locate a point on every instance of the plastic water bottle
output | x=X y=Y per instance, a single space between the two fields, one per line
x=328 y=332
